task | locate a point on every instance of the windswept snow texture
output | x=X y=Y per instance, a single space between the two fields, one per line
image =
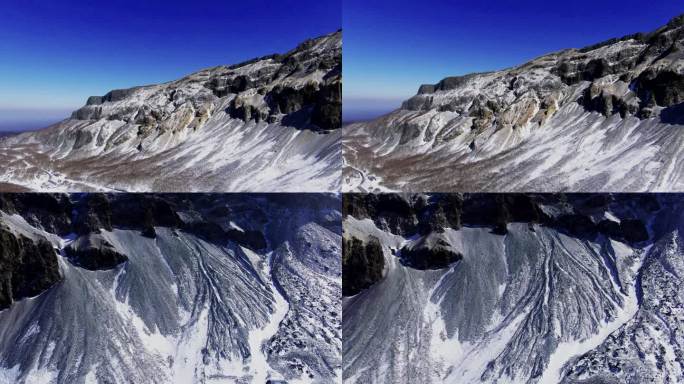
x=270 y=124
x=186 y=309
x=534 y=305
x=609 y=117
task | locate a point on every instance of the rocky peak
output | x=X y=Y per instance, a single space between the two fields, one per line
x=301 y=89
x=640 y=75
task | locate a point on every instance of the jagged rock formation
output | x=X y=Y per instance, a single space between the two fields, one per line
x=186 y=288
x=269 y=124
x=540 y=292
x=605 y=117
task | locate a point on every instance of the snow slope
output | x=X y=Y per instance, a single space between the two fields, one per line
x=189 y=309
x=534 y=305
x=269 y=124
x=608 y=118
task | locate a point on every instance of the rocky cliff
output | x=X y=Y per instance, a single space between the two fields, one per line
x=268 y=124
x=602 y=118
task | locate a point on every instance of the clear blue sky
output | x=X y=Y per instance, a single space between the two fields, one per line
x=54 y=54
x=391 y=47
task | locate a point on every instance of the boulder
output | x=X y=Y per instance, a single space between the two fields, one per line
x=429 y=252
x=93 y=252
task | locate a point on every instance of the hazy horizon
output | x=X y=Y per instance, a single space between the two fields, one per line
x=21 y=120
x=361 y=109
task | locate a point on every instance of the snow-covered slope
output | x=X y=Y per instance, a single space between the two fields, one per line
x=270 y=124
x=578 y=289
x=609 y=117
x=242 y=289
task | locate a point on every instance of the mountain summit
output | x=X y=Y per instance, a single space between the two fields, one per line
x=266 y=124
x=605 y=117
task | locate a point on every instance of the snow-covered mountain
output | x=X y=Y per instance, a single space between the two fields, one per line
x=513 y=288
x=139 y=288
x=609 y=117
x=269 y=124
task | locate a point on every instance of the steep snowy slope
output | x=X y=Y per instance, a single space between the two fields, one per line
x=175 y=289
x=535 y=289
x=270 y=124
x=609 y=117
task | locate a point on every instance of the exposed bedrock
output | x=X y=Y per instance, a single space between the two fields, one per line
x=27 y=267
x=640 y=75
x=429 y=252
x=424 y=220
x=362 y=264
x=301 y=88
x=51 y=211
x=316 y=107
x=89 y=214
x=93 y=252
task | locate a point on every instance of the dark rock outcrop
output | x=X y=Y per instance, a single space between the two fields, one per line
x=27 y=267
x=94 y=253
x=665 y=87
x=577 y=225
x=407 y=215
x=362 y=264
x=642 y=74
x=249 y=238
x=315 y=105
x=429 y=253
x=497 y=210
x=633 y=230
x=51 y=212
x=94 y=214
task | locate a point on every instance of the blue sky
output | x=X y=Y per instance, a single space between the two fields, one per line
x=391 y=47
x=54 y=54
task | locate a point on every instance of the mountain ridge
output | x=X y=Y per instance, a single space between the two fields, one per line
x=524 y=127
x=267 y=124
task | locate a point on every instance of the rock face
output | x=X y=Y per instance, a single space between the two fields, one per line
x=266 y=124
x=27 y=267
x=572 y=120
x=93 y=252
x=580 y=215
x=362 y=264
x=536 y=288
x=160 y=288
x=430 y=252
x=302 y=87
